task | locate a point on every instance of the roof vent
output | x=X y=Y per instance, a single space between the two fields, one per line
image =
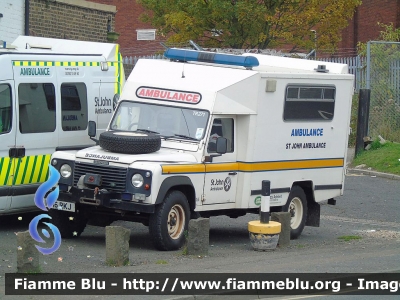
x=32 y=46
x=322 y=69
x=5 y=45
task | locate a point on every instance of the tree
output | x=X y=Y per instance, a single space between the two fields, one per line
x=251 y=24
x=390 y=33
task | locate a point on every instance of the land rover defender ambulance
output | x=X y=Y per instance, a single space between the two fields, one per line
x=49 y=90
x=197 y=134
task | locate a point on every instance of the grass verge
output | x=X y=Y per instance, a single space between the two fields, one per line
x=161 y=262
x=348 y=238
x=382 y=158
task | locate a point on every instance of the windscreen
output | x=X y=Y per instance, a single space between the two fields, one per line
x=168 y=121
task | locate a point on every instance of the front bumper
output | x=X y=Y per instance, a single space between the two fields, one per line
x=103 y=199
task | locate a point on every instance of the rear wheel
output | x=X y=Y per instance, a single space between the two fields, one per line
x=70 y=225
x=169 y=222
x=297 y=207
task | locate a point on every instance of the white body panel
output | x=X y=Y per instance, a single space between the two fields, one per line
x=260 y=139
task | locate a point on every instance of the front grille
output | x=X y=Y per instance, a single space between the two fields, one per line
x=113 y=178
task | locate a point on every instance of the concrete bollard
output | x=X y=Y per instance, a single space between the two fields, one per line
x=263 y=233
x=27 y=254
x=117 y=246
x=264 y=236
x=199 y=236
x=284 y=219
x=265 y=203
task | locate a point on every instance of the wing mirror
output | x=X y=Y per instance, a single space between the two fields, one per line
x=220 y=146
x=92 y=131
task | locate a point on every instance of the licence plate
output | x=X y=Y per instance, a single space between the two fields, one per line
x=62 y=205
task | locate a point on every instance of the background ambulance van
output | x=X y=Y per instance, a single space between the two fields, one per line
x=49 y=90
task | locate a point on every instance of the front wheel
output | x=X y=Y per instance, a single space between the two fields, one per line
x=297 y=207
x=169 y=222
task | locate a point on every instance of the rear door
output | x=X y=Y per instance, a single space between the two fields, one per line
x=37 y=132
x=7 y=144
x=105 y=104
x=109 y=87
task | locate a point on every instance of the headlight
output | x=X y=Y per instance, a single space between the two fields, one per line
x=65 y=171
x=137 y=180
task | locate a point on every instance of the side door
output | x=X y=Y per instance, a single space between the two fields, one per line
x=221 y=174
x=109 y=87
x=105 y=103
x=37 y=132
x=7 y=143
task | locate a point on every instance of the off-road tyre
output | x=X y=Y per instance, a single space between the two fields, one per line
x=130 y=142
x=297 y=207
x=165 y=235
x=70 y=225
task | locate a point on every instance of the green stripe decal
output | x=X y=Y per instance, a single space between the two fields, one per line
x=18 y=162
x=119 y=73
x=1 y=167
x=8 y=172
x=41 y=168
x=47 y=174
x=33 y=168
x=26 y=166
x=21 y=63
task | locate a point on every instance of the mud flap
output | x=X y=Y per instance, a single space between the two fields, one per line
x=313 y=215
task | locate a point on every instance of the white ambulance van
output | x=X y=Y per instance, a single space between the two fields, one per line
x=196 y=135
x=49 y=90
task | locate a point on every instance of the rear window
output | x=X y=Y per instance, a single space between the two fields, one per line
x=74 y=106
x=311 y=103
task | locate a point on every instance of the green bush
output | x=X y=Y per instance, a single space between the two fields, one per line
x=376 y=144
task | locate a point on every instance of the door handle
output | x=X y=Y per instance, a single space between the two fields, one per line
x=16 y=152
x=232 y=173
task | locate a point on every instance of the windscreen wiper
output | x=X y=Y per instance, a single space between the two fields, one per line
x=147 y=130
x=186 y=137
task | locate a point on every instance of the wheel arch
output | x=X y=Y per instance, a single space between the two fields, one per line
x=313 y=208
x=179 y=183
x=307 y=187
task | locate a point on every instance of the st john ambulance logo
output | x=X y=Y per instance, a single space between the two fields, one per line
x=227 y=184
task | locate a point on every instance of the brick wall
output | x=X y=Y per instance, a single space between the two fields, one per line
x=70 y=19
x=127 y=22
x=364 y=25
x=12 y=24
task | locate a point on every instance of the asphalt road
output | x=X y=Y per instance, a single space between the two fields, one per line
x=369 y=209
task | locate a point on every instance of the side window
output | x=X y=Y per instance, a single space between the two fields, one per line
x=49 y=92
x=221 y=127
x=74 y=106
x=36 y=107
x=5 y=108
x=309 y=103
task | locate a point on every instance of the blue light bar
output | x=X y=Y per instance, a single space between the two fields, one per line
x=211 y=57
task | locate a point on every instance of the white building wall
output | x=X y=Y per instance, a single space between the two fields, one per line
x=12 y=24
